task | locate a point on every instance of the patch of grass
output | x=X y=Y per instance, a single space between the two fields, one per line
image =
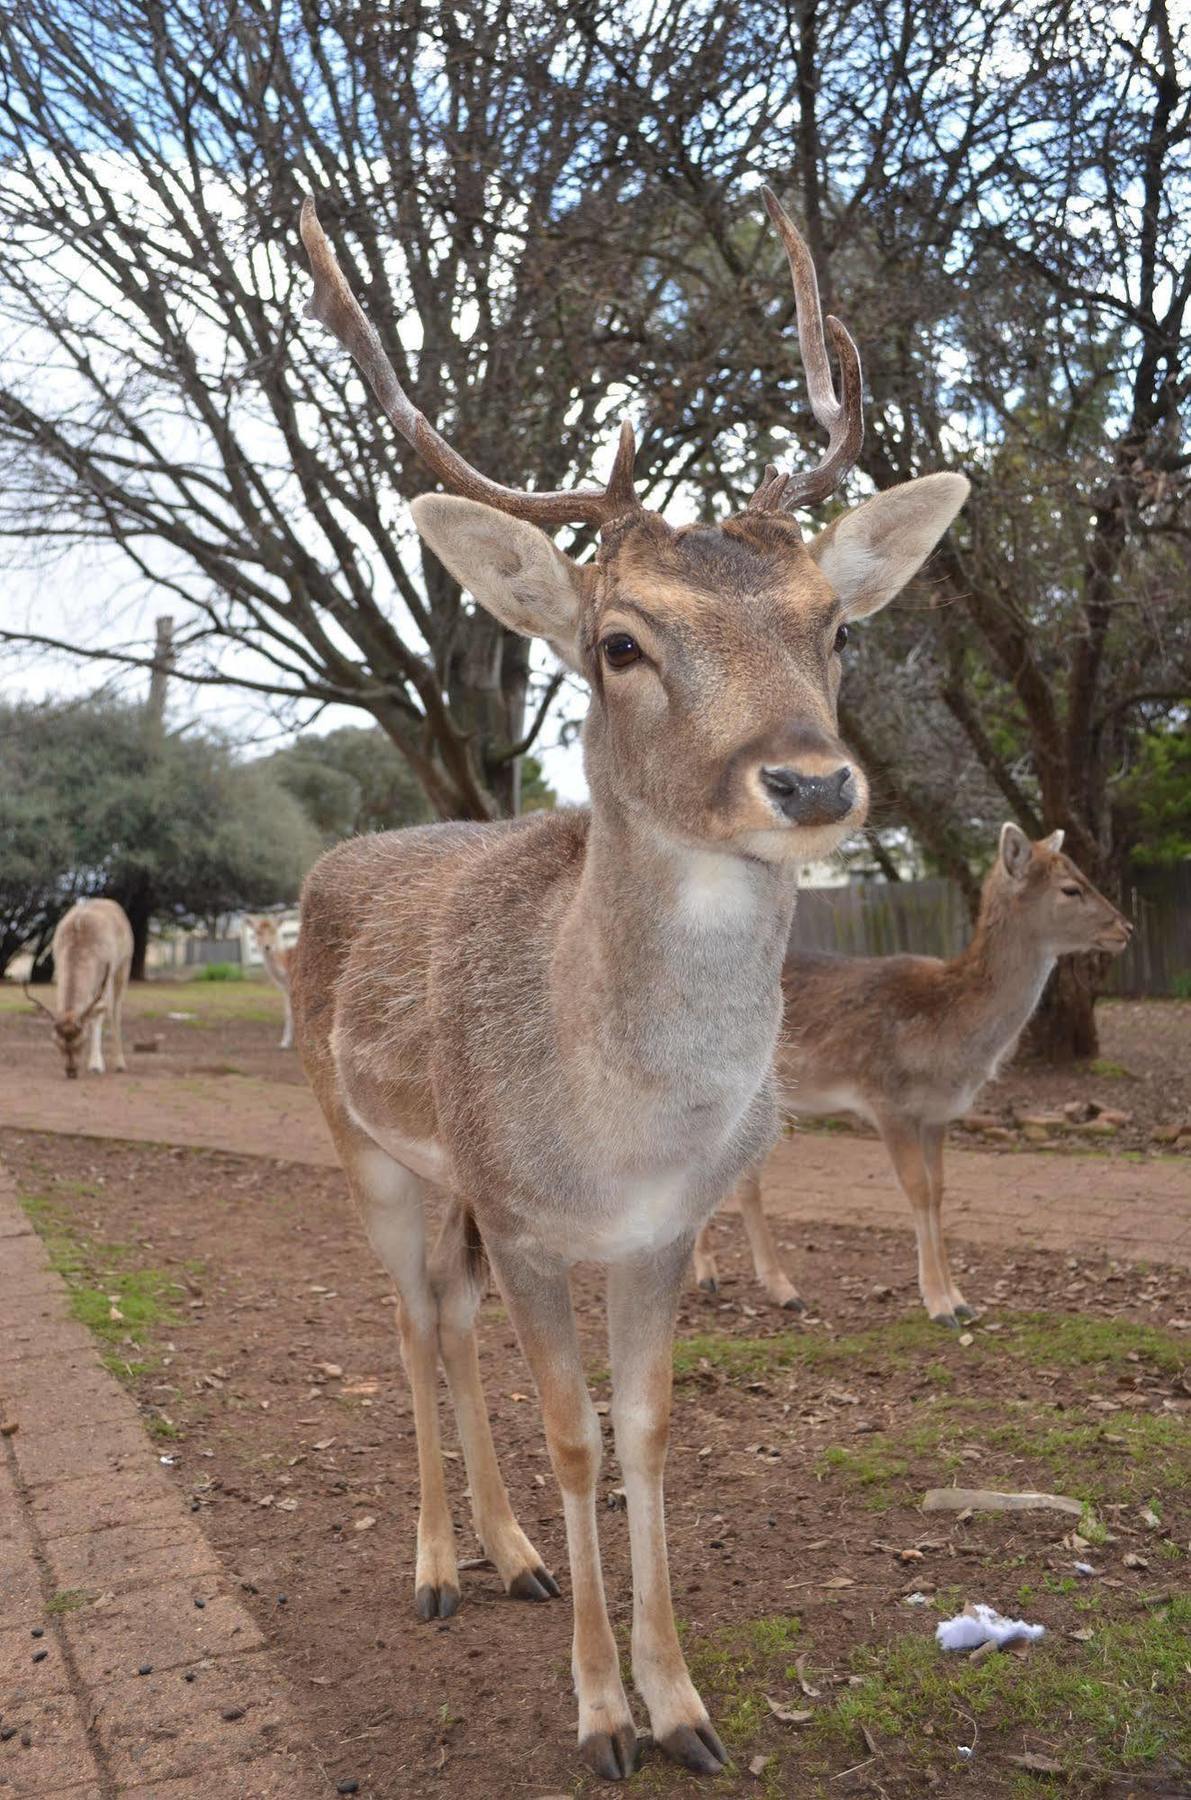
x=109 y=1294
x=737 y=1357
x=1074 y=1340
x=1108 y=1070
x=159 y=1426
x=221 y=972
x=874 y=1466
x=68 y=1600
x=734 y=1665
x=1120 y=1702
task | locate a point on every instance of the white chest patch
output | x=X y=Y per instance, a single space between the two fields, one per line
x=716 y=892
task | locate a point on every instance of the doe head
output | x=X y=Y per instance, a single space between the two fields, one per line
x=1057 y=903
x=713 y=652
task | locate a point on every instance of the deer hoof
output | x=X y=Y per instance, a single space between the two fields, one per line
x=945 y=1318
x=964 y=1312
x=794 y=1303
x=696 y=1747
x=535 y=1584
x=436 y=1602
x=709 y=1285
x=611 y=1755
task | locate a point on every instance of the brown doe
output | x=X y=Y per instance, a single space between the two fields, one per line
x=907 y=1042
x=277 y=966
x=92 y=950
x=560 y=1030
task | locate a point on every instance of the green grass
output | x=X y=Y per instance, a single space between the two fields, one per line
x=68 y=1600
x=874 y=1467
x=214 y=1002
x=221 y=972
x=1108 y=1070
x=1036 y=1337
x=102 y=1279
x=1120 y=1701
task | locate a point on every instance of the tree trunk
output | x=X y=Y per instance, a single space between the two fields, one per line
x=139 y=907
x=1063 y=1029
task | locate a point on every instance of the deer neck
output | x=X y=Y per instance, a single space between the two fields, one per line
x=1005 y=969
x=275 y=964
x=669 y=955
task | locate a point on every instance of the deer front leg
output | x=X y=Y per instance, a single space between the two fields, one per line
x=539 y=1301
x=766 y=1261
x=95 y=1064
x=642 y=1300
x=287 y=1030
x=457 y=1277
x=903 y=1140
x=118 y=987
x=932 y=1146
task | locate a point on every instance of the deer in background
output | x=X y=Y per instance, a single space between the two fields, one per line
x=92 y=951
x=277 y=965
x=908 y=1041
x=558 y=1031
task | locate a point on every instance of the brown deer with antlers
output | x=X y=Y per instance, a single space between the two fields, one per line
x=92 y=950
x=562 y=1028
x=907 y=1042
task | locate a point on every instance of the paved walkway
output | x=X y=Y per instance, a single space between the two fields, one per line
x=127 y=1667
x=1140 y=1211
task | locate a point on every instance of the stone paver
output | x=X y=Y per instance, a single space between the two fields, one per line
x=89 y=1521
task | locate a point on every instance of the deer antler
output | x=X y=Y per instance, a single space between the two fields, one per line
x=841 y=417
x=335 y=306
x=30 y=995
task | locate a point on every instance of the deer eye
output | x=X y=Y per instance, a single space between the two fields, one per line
x=1072 y=892
x=841 y=638
x=620 y=650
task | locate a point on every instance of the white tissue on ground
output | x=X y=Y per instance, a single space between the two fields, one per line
x=979 y=1624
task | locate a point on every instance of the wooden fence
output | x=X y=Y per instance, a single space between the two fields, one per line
x=929 y=918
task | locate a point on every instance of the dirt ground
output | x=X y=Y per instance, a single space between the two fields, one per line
x=236 y=1297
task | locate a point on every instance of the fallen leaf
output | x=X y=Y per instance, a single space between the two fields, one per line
x=364 y=1524
x=332 y=1371
x=759 y=1765
x=1037 y=1765
x=786 y=1715
x=839 y=1581
x=1132 y=1560
x=287 y=1505
x=812 y=1693
x=325 y=1443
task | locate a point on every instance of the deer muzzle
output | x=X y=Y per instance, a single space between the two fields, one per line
x=811 y=799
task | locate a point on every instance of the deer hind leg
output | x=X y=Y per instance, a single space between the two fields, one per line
x=707 y=1275
x=766 y=1261
x=287 y=1030
x=391 y=1200
x=457 y=1275
x=903 y=1140
x=932 y=1146
x=642 y=1298
x=539 y=1302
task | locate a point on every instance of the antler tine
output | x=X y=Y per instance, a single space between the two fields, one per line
x=334 y=305
x=842 y=417
x=30 y=995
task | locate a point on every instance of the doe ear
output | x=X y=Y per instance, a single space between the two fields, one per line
x=511 y=567
x=1054 y=841
x=1016 y=850
x=870 y=553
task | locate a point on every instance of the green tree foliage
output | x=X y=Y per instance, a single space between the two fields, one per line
x=349 y=781
x=171 y=826
x=1155 y=800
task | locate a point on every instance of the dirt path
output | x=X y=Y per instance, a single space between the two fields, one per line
x=1136 y=1209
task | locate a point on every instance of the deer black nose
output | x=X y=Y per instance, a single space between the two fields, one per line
x=811 y=799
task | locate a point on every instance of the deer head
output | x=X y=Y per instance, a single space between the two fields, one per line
x=1052 y=900
x=713 y=652
x=69 y=1025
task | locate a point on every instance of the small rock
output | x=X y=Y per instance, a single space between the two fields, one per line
x=9 y=1428
x=1167 y=1134
x=40 y=1655
x=232 y=1713
x=145 y=1669
x=189 y=1675
x=6 y=1732
x=199 y=1602
x=350 y=1786
x=38 y=1631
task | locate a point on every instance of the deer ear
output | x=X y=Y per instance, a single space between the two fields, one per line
x=1016 y=850
x=1054 y=841
x=511 y=567
x=870 y=553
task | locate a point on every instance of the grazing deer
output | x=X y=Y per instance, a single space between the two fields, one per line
x=277 y=965
x=908 y=1041
x=92 y=950
x=562 y=1027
